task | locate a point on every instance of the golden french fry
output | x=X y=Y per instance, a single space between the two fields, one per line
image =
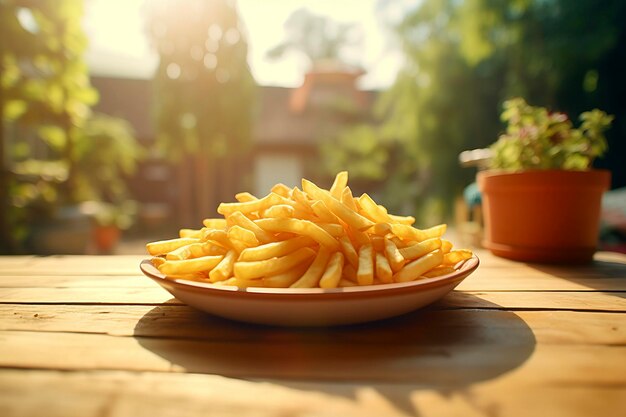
x=334 y=270
x=351 y=218
x=251 y=206
x=399 y=242
x=162 y=247
x=216 y=235
x=257 y=269
x=275 y=249
x=380 y=229
x=193 y=250
x=349 y=273
x=420 y=249
x=311 y=277
x=224 y=269
x=300 y=227
x=211 y=248
x=410 y=233
x=347 y=283
x=240 y=219
x=341 y=181
x=407 y=220
x=414 y=269
x=323 y=213
x=348 y=199
x=378 y=243
x=157 y=261
x=358 y=238
x=285 y=279
x=456 y=256
x=244 y=235
x=305 y=238
x=372 y=211
x=333 y=229
x=192 y=233
x=241 y=283
x=365 y=272
x=394 y=257
x=196 y=276
x=439 y=271
x=349 y=252
x=383 y=270
x=214 y=223
x=245 y=197
x=282 y=190
x=189 y=266
x=280 y=210
x=238 y=245
x=301 y=201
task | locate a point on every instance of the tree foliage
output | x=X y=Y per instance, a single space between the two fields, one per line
x=464 y=58
x=203 y=86
x=316 y=37
x=45 y=99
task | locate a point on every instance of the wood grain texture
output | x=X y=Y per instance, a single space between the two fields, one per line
x=438 y=365
x=154 y=295
x=138 y=394
x=91 y=336
x=429 y=326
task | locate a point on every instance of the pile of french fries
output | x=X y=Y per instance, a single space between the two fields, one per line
x=306 y=238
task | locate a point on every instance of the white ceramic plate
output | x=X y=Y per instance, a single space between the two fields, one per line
x=311 y=306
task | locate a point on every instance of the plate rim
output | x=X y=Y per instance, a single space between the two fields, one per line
x=468 y=266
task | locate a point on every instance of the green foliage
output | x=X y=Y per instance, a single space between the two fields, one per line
x=360 y=152
x=463 y=59
x=107 y=154
x=204 y=89
x=121 y=215
x=44 y=78
x=538 y=139
x=56 y=152
x=45 y=97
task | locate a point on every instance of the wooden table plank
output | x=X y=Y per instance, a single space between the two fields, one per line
x=592 y=301
x=112 y=393
x=515 y=339
x=424 y=327
x=70 y=265
x=432 y=365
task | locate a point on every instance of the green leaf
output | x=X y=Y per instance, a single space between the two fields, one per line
x=53 y=136
x=14 y=109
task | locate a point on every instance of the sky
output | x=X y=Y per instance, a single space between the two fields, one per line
x=119 y=47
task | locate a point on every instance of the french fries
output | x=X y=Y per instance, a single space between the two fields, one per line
x=307 y=238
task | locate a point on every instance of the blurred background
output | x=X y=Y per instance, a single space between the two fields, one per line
x=124 y=120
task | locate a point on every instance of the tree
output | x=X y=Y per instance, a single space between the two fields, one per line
x=317 y=38
x=204 y=96
x=45 y=97
x=464 y=58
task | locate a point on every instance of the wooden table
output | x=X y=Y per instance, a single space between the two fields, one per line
x=90 y=336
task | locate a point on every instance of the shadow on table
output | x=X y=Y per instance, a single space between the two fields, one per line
x=603 y=274
x=433 y=348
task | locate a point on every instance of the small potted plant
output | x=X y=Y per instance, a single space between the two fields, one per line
x=541 y=198
x=109 y=221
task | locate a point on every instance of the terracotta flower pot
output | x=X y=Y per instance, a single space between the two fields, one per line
x=543 y=216
x=106 y=237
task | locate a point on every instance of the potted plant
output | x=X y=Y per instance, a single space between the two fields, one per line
x=541 y=198
x=109 y=220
